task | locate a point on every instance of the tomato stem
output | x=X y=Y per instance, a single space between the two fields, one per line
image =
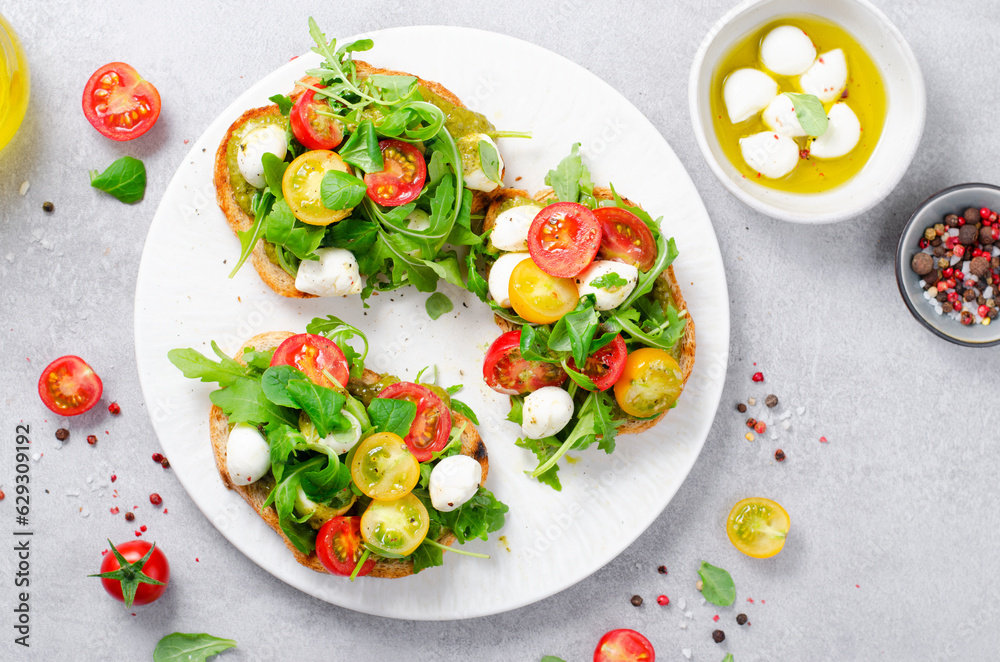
x=446 y=548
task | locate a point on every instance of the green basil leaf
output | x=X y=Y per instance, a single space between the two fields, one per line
x=183 y=647
x=810 y=112
x=447 y=268
x=489 y=160
x=476 y=518
x=576 y=329
x=389 y=415
x=552 y=658
x=274 y=382
x=274 y=170
x=340 y=190
x=362 y=150
x=535 y=344
x=125 y=179
x=438 y=304
x=718 y=587
x=286 y=231
x=284 y=103
x=326 y=483
x=609 y=281
x=323 y=405
x=728 y=658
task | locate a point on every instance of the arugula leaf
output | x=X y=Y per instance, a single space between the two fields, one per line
x=341 y=190
x=516 y=414
x=728 y=658
x=414 y=120
x=274 y=170
x=125 y=179
x=605 y=427
x=438 y=304
x=575 y=330
x=571 y=180
x=810 y=113
x=196 y=365
x=543 y=449
x=283 y=441
x=322 y=485
x=489 y=161
x=389 y=415
x=553 y=658
x=323 y=405
x=610 y=281
x=718 y=587
x=362 y=150
x=476 y=518
x=464 y=410
x=665 y=255
x=183 y=647
x=446 y=268
x=259 y=361
x=429 y=555
x=284 y=103
x=283 y=229
x=260 y=207
x=274 y=383
x=244 y=401
x=398 y=87
x=283 y=496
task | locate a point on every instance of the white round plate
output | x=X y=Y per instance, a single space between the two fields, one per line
x=552 y=539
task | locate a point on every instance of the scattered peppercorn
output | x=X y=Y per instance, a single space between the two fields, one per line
x=758 y=377
x=699 y=585
x=742 y=408
x=751 y=422
x=48 y=206
x=662 y=570
x=771 y=401
x=164 y=463
x=91 y=439
x=779 y=455
x=155 y=499
x=663 y=601
x=157 y=457
x=114 y=409
x=2 y=495
x=741 y=619
x=129 y=516
x=636 y=600
x=718 y=636
x=62 y=434
x=760 y=428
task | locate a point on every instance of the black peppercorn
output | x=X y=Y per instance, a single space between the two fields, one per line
x=779 y=455
x=718 y=636
x=62 y=434
x=771 y=401
x=48 y=206
x=662 y=570
x=741 y=619
x=636 y=601
x=742 y=408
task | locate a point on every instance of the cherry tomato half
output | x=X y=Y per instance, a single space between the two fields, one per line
x=606 y=365
x=538 y=297
x=564 y=238
x=302 y=184
x=312 y=129
x=395 y=528
x=156 y=567
x=68 y=386
x=338 y=547
x=314 y=355
x=624 y=646
x=403 y=177
x=650 y=384
x=506 y=371
x=384 y=468
x=432 y=426
x=758 y=527
x=119 y=103
x=625 y=238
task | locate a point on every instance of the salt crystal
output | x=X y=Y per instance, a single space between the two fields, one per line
x=681 y=603
x=10 y=258
x=59 y=445
x=752 y=401
x=688 y=615
x=953 y=232
x=800 y=410
x=686 y=652
x=90 y=479
x=682 y=625
x=955 y=260
x=24 y=187
x=703 y=601
x=85 y=511
x=36 y=457
x=785 y=415
x=73 y=493
x=785 y=425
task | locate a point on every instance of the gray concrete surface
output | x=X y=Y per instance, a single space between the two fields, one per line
x=893 y=551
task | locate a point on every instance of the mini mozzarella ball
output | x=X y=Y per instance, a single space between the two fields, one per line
x=827 y=77
x=770 y=154
x=334 y=274
x=611 y=296
x=787 y=50
x=418 y=220
x=842 y=134
x=499 y=280
x=341 y=441
x=247 y=455
x=510 y=229
x=252 y=148
x=546 y=412
x=747 y=92
x=779 y=116
x=454 y=480
x=475 y=178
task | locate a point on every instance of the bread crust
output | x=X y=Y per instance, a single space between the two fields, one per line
x=272 y=274
x=687 y=343
x=256 y=494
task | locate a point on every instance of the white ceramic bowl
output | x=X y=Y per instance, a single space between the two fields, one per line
x=904 y=124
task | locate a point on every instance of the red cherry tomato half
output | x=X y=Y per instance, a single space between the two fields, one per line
x=625 y=238
x=564 y=238
x=338 y=547
x=403 y=177
x=432 y=426
x=155 y=567
x=312 y=129
x=119 y=103
x=68 y=386
x=506 y=371
x=606 y=365
x=315 y=356
x=624 y=646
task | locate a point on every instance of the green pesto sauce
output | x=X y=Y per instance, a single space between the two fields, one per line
x=516 y=201
x=367 y=392
x=242 y=190
x=459 y=121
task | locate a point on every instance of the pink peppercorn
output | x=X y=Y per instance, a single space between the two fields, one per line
x=663 y=601
x=758 y=377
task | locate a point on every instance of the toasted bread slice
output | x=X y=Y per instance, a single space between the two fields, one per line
x=668 y=278
x=272 y=274
x=256 y=494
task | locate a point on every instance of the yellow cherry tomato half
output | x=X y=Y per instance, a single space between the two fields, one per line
x=757 y=527
x=538 y=297
x=395 y=528
x=302 y=183
x=650 y=384
x=383 y=467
